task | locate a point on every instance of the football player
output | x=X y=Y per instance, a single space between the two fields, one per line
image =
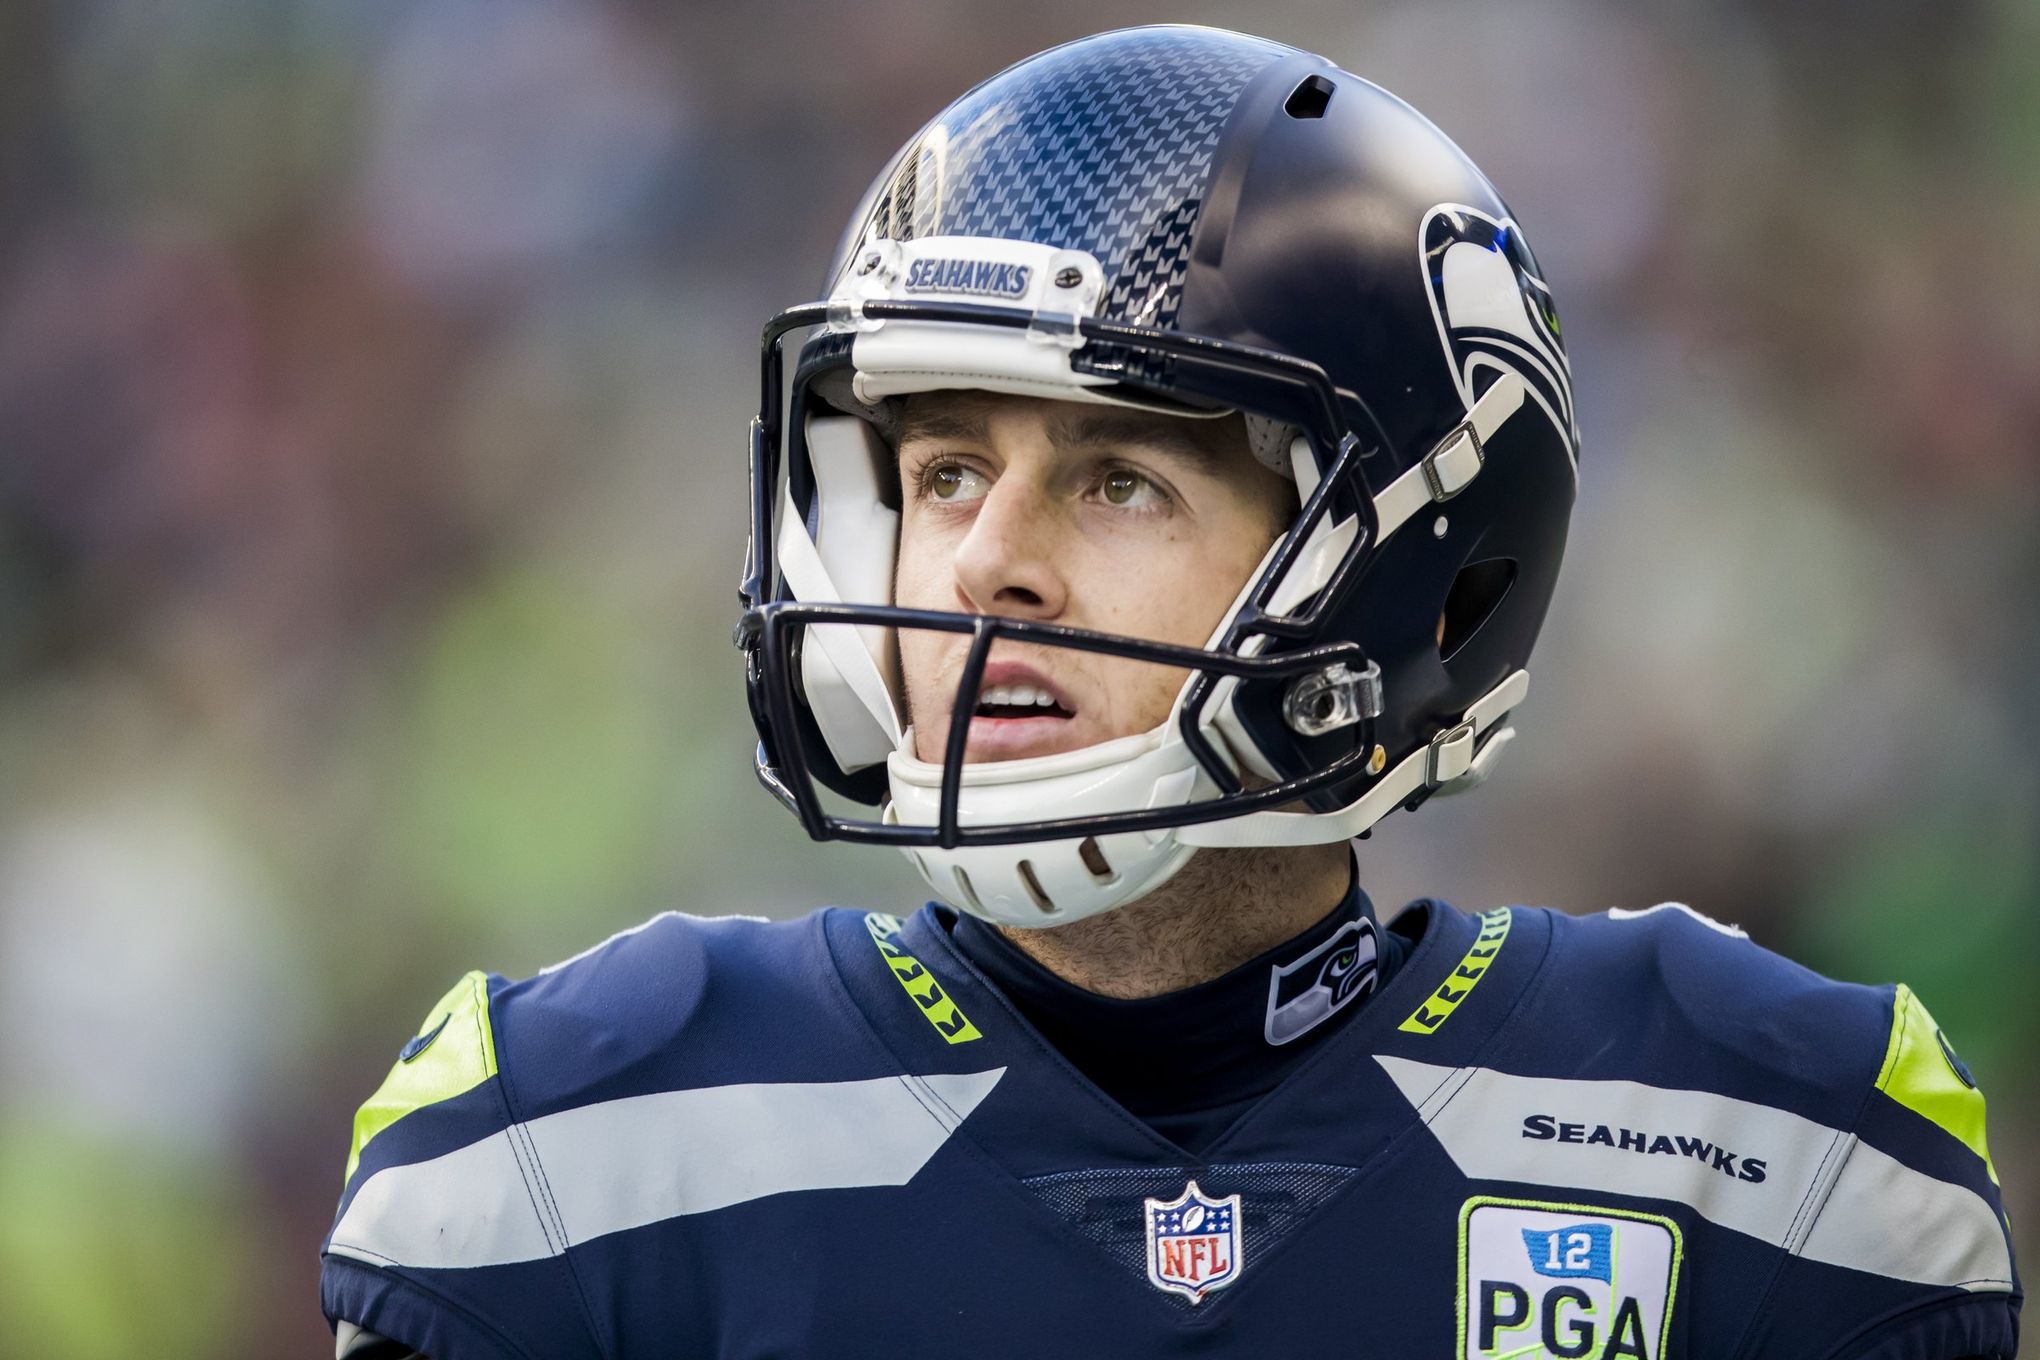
x=1169 y=484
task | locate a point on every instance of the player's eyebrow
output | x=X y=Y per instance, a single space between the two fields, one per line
x=962 y=423
x=954 y=424
x=1163 y=434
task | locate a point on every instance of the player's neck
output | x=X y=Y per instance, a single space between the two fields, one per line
x=1223 y=908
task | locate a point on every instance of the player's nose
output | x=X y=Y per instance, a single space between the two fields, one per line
x=1006 y=564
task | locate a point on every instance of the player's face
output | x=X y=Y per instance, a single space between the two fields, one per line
x=1091 y=516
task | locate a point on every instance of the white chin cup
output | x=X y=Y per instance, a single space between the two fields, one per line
x=1051 y=883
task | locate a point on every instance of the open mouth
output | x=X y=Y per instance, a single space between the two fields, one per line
x=1019 y=701
x=1022 y=713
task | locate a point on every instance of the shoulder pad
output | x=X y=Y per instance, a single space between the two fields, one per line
x=1922 y=1073
x=1907 y=1191
x=443 y=1168
x=676 y=1068
x=1672 y=997
x=678 y=1002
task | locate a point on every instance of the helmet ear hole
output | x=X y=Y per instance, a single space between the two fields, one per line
x=1476 y=591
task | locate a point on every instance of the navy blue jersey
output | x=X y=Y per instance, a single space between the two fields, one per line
x=1635 y=1134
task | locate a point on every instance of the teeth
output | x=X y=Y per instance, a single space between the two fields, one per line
x=1017 y=696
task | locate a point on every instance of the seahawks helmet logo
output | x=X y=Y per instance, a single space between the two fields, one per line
x=1494 y=311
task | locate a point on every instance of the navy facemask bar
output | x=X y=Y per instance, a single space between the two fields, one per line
x=1278 y=385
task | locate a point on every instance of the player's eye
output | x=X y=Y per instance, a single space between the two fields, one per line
x=952 y=483
x=1129 y=490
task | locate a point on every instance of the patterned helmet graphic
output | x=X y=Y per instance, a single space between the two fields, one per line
x=1104 y=146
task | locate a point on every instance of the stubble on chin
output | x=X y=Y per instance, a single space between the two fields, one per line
x=1220 y=910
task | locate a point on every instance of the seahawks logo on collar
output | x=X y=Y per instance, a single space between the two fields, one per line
x=1305 y=992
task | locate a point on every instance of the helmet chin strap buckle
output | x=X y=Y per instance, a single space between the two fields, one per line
x=1450 y=468
x=1451 y=754
x=1455 y=759
x=1476 y=768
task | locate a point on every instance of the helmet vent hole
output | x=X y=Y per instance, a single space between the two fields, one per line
x=1094 y=860
x=1476 y=593
x=1034 y=890
x=1309 y=99
x=966 y=892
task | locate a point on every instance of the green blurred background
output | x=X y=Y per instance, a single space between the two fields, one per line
x=373 y=378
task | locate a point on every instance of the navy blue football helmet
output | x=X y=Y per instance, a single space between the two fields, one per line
x=1199 y=222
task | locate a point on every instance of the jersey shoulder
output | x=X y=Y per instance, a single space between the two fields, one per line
x=452 y=1228
x=1858 y=1096
x=1680 y=998
x=678 y=1002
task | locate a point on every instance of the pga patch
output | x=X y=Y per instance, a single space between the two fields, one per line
x=1193 y=1242
x=1565 y=1281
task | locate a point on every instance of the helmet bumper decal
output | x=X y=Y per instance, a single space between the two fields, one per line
x=891 y=358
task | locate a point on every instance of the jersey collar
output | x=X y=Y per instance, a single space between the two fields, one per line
x=935 y=1012
x=1228 y=1041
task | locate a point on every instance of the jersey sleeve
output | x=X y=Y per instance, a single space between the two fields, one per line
x=1904 y=1244
x=445 y=1239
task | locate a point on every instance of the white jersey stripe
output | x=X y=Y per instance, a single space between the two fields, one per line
x=1885 y=1217
x=1781 y=1178
x=619 y=1164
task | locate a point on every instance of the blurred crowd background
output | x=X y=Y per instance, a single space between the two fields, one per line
x=373 y=382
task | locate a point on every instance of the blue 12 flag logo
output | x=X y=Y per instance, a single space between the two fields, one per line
x=1565 y=1281
x=1193 y=1242
x=1578 y=1251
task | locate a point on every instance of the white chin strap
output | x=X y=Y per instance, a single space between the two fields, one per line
x=1051 y=883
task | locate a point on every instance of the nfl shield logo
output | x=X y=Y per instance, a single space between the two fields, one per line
x=1193 y=1243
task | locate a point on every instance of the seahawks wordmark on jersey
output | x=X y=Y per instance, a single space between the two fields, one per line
x=1539 y=1137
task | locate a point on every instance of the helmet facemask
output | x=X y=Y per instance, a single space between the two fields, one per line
x=1140 y=219
x=1096 y=826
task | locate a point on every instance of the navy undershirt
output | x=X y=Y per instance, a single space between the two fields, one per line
x=1187 y=1063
